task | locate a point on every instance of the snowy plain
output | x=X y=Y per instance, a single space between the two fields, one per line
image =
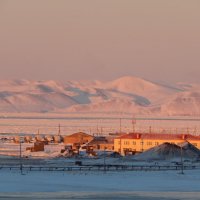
x=101 y=124
x=100 y=185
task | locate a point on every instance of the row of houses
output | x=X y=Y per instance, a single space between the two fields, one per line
x=88 y=142
x=124 y=144
x=71 y=142
x=130 y=143
x=39 y=138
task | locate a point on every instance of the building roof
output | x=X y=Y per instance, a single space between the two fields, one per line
x=79 y=134
x=101 y=140
x=159 y=136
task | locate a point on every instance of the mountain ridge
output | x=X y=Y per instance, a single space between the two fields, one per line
x=125 y=94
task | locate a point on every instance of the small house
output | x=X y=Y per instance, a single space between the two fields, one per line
x=77 y=139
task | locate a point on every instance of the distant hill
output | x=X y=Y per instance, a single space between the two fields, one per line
x=127 y=94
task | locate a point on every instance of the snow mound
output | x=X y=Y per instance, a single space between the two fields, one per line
x=168 y=151
x=190 y=150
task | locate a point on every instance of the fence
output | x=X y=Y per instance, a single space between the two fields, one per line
x=101 y=168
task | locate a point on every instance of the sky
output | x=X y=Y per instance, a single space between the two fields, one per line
x=100 y=39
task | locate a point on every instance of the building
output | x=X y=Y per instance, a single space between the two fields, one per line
x=138 y=142
x=102 y=143
x=77 y=139
x=38 y=146
x=57 y=138
x=39 y=138
x=16 y=139
x=28 y=138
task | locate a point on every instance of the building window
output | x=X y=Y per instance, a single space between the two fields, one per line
x=149 y=143
x=126 y=142
x=156 y=143
x=134 y=142
x=119 y=142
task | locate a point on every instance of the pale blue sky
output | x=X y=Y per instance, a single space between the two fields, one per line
x=100 y=39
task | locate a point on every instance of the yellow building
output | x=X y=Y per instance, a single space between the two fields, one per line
x=139 y=142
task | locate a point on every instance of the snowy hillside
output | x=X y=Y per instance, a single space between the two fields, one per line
x=127 y=94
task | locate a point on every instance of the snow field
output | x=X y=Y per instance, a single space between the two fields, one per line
x=163 y=181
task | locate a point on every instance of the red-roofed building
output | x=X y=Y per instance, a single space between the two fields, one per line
x=139 y=142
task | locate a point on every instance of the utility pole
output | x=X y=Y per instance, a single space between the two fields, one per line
x=101 y=131
x=120 y=131
x=182 y=160
x=20 y=154
x=104 y=160
x=91 y=132
x=133 y=124
x=195 y=131
x=149 y=129
x=97 y=129
x=120 y=125
x=59 y=129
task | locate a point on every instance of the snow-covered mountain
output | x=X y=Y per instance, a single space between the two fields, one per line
x=127 y=94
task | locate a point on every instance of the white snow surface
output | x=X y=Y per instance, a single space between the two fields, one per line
x=99 y=185
x=93 y=185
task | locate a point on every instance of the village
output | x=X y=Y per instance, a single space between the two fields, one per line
x=117 y=144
